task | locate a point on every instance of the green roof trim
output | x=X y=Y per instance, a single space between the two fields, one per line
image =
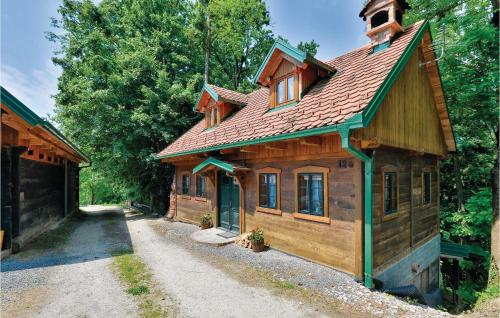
x=292 y=51
x=209 y=90
x=33 y=119
x=211 y=161
x=463 y=251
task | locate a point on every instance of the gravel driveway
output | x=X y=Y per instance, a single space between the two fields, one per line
x=76 y=280
x=73 y=280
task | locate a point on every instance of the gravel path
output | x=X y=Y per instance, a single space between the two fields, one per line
x=202 y=290
x=74 y=280
x=324 y=280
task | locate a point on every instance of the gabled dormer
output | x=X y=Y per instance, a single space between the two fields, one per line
x=217 y=103
x=289 y=73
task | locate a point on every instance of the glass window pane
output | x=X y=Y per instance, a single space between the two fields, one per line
x=427 y=188
x=303 y=193
x=185 y=184
x=263 y=190
x=317 y=194
x=390 y=193
x=290 y=88
x=272 y=186
x=281 y=91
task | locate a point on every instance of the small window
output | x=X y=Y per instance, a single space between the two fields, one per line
x=281 y=91
x=268 y=195
x=185 y=184
x=426 y=185
x=41 y=156
x=311 y=199
x=268 y=190
x=285 y=90
x=390 y=192
x=200 y=186
x=310 y=189
x=30 y=152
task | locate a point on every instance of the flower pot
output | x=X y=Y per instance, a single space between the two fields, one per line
x=258 y=246
x=206 y=226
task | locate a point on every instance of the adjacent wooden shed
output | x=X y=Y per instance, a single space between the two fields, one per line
x=40 y=173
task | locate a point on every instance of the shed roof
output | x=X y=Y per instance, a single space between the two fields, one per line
x=34 y=120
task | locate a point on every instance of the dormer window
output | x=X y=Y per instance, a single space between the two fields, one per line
x=212 y=117
x=285 y=89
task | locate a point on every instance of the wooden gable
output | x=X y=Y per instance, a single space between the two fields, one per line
x=408 y=117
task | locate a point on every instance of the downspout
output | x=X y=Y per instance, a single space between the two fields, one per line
x=368 y=243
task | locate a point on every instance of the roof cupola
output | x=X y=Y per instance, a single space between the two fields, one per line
x=384 y=19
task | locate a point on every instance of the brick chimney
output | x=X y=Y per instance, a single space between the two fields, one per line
x=384 y=19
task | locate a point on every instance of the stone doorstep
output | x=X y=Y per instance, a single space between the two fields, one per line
x=209 y=236
x=4 y=254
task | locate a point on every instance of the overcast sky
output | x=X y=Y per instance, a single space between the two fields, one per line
x=28 y=73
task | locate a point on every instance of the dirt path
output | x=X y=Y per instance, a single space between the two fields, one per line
x=73 y=279
x=203 y=290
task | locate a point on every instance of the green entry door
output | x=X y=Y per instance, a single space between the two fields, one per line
x=229 y=203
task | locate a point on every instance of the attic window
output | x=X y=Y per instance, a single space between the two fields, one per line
x=285 y=89
x=212 y=117
x=379 y=18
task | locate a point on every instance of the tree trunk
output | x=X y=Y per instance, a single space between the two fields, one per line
x=458 y=183
x=92 y=196
x=207 y=49
x=495 y=224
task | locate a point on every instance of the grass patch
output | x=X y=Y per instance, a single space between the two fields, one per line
x=282 y=284
x=139 y=282
x=492 y=290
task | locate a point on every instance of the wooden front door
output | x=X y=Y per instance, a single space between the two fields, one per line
x=229 y=203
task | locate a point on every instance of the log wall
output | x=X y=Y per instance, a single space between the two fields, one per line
x=414 y=224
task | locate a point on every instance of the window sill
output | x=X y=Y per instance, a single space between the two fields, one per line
x=185 y=197
x=283 y=106
x=390 y=217
x=269 y=211
x=314 y=218
x=202 y=199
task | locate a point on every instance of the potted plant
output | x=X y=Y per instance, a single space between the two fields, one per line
x=257 y=239
x=206 y=221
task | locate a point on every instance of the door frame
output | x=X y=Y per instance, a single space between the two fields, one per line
x=239 y=180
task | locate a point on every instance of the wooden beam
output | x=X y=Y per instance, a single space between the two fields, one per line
x=370 y=143
x=276 y=145
x=227 y=151
x=249 y=149
x=311 y=141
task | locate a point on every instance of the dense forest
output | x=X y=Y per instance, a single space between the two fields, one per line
x=132 y=71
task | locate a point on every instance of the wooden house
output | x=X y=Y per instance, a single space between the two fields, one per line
x=337 y=161
x=40 y=170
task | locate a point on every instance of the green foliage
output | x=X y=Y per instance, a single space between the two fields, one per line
x=310 y=47
x=97 y=189
x=469 y=72
x=206 y=219
x=472 y=225
x=257 y=235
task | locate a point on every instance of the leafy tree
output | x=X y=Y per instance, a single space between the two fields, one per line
x=310 y=47
x=469 y=71
x=127 y=87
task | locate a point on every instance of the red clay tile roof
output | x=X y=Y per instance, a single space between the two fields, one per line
x=332 y=101
x=229 y=95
